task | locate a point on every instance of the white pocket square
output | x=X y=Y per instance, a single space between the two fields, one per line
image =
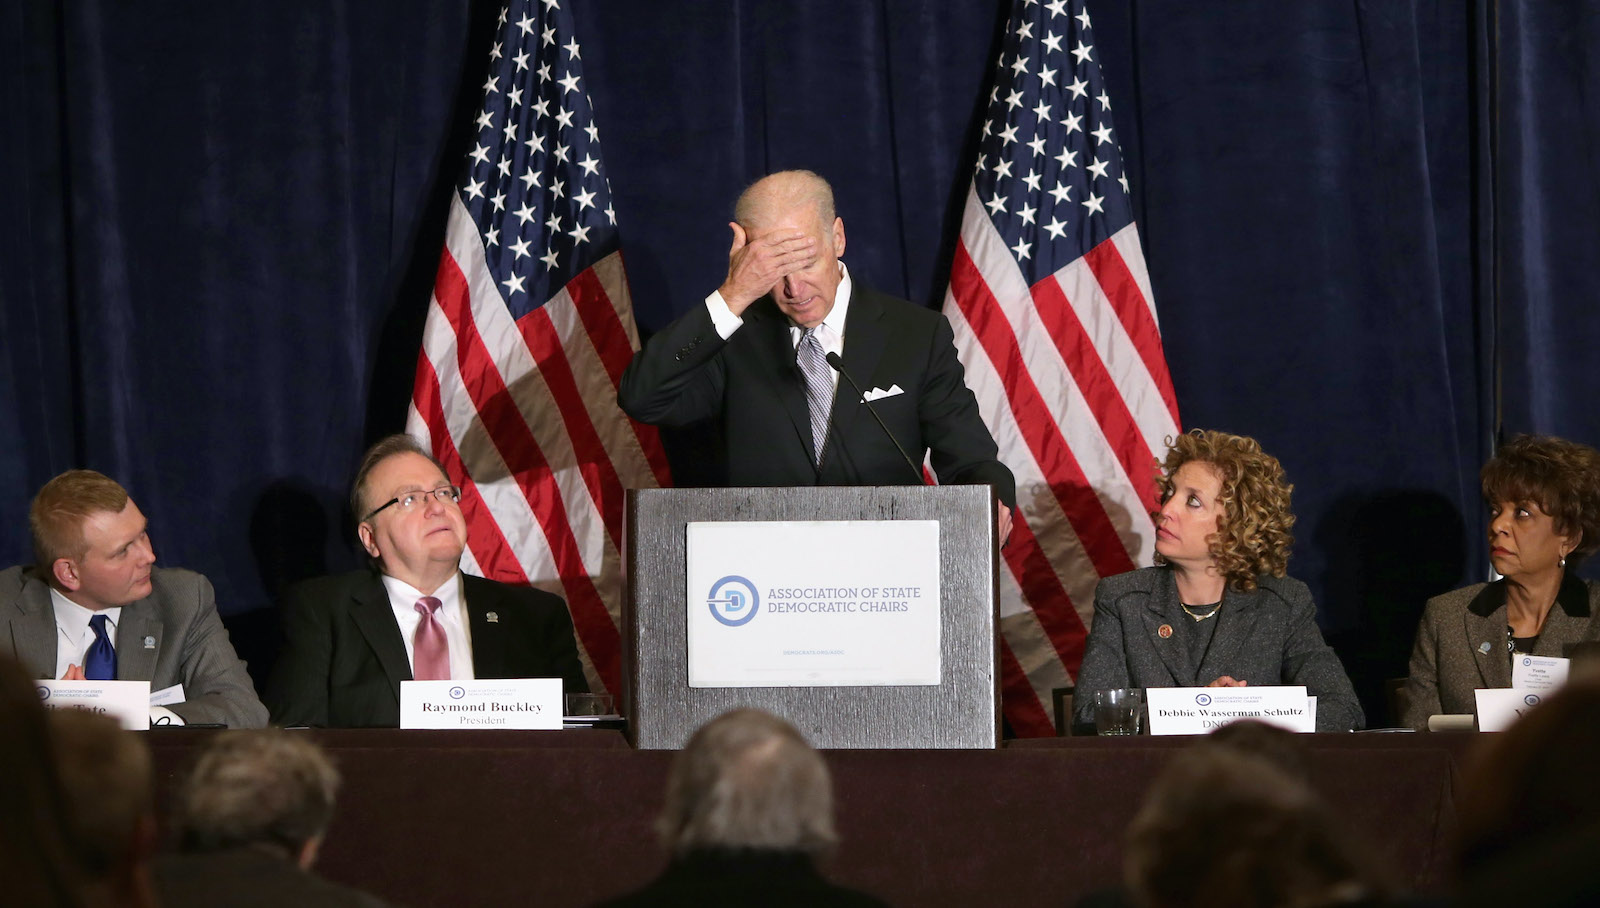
x=880 y=394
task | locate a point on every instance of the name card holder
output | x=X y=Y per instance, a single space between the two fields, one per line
x=1202 y=710
x=527 y=703
x=126 y=701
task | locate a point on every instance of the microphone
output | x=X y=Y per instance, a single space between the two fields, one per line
x=838 y=366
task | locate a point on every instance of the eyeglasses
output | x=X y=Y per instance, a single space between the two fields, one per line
x=410 y=500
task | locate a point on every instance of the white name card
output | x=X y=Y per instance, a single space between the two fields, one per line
x=1538 y=672
x=501 y=703
x=813 y=603
x=1499 y=708
x=126 y=701
x=1201 y=710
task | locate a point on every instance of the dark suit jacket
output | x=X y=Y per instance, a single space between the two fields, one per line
x=248 y=878
x=187 y=643
x=1448 y=662
x=1266 y=636
x=750 y=382
x=344 y=658
x=734 y=879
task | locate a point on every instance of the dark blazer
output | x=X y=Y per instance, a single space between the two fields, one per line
x=687 y=373
x=344 y=658
x=248 y=878
x=1449 y=663
x=733 y=879
x=172 y=636
x=1263 y=637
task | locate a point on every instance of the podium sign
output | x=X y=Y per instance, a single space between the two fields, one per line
x=813 y=603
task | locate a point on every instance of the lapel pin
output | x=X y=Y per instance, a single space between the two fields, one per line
x=492 y=617
x=149 y=642
x=1484 y=647
x=1165 y=631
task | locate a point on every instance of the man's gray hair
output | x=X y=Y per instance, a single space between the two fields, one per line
x=784 y=191
x=265 y=787
x=748 y=779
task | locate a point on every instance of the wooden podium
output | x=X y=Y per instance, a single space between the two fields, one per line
x=962 y=711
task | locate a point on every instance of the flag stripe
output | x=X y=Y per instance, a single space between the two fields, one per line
x=515 y=442
x=1137 y=318
x=1071 y=488
x=1106 y=404
x=1028 y=717
x=1040 y=586
x=593 y=462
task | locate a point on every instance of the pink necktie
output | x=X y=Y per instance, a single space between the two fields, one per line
x=430 y=660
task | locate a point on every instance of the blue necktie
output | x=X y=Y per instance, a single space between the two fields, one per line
x=100 y=663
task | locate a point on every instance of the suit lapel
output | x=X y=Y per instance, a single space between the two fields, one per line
x=1494 y=666
x=33 y=628
x=135 y=662
x=773 y=334
x=486 y=617
x=864 y=342
x=1236 y=623
x=1163 y=608
x=374 y=617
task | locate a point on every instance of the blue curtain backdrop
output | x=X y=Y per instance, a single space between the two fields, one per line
x=1365 y=223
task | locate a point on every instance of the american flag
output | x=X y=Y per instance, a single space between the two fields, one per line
x=528 y=331
x=1056 y=326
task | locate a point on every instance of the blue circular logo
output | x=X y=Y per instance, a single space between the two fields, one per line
x=44 y=692
x=1531 y=699
x=457 y=693
x=733 y=600
x=1203 y=699
x=1526 y=661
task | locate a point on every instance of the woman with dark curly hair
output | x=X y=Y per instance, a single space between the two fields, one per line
x=1543 y=495
x=1217 y=609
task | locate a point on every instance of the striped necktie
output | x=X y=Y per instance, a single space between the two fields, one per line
x=819 y=388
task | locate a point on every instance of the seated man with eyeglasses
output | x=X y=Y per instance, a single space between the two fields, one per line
x=352 y=638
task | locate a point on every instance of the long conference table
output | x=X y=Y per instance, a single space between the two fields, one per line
x=565 y=818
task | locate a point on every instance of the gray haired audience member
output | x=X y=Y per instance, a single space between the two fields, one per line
x=1226 y=828
x=749 y=808
x=250 y=818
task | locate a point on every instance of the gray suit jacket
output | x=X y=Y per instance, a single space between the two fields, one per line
x=1263 y=637
x=187 y=643
x=1448 y=661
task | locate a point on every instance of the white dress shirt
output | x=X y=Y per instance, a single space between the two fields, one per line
x=74 y=636
x=830 y=333
x=452 y=616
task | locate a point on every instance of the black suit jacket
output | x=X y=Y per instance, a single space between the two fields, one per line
x=687 y=373
x=344 y=658
x=717 y=878
x=248 y=878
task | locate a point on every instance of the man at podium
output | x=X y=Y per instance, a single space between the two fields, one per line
x=816 y=380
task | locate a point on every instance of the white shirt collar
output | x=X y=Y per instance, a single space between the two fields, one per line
x=403 y=594
x=72 y=619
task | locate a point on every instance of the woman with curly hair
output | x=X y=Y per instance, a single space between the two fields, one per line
x=1217 y=609
x=1543 y=495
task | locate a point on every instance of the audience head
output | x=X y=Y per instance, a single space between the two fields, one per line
x=797 y=200
x=262 y=789
x=1535 y=783
x=90 y=540
x=1222 y=827
x=107 y=786
x=408 y=512
x=1282 y=748
x=748 y=780
x=36 y=866
x=1224 y=502
x=1543 y=495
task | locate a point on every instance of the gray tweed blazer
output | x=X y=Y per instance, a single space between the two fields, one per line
x=1461 y=644
x=1263 y=637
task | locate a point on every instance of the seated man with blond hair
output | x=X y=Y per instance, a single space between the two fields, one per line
x=95 y=607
